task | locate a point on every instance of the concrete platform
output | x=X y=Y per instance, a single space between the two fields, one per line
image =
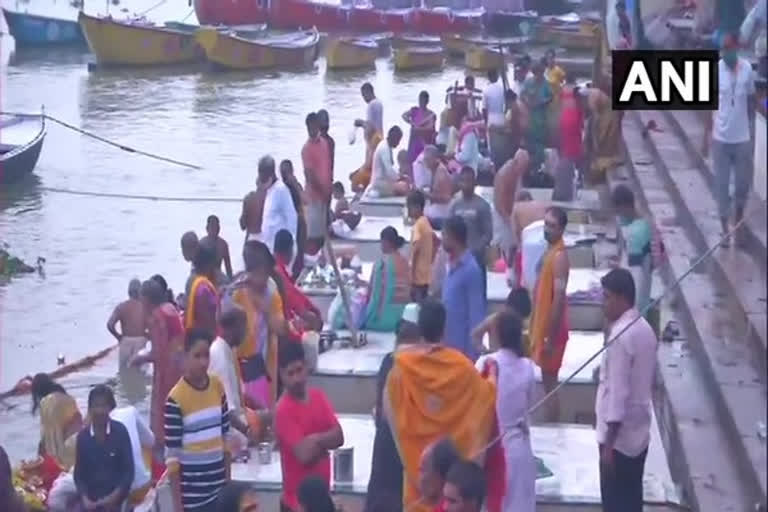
x=366 y=238
x=584 y=305
x=578 y=211
x=568 y=452
x=341 y=369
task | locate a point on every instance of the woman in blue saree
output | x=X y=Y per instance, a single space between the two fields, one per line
x=389 y=290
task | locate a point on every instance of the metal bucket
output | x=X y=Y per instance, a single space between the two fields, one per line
x=344 y=464
x=265 y=453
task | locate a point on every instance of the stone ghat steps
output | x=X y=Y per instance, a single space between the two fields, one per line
x=711 y=395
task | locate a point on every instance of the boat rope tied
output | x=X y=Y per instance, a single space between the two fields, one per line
x=610 y=342
x=140 y=197
x=107 y=141
x=144 y=13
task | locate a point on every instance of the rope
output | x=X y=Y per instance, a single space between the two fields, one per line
x=190 y=13
x=606 y=345
x=140 y=197
x=104 y=140
x=158 y=4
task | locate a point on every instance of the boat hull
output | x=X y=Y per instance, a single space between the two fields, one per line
x=34 y=30
x=350 y=54
x=584 y=38
x=302 y=14
x=19 y=160
x=116 y=43
x=484 y=58
x=228 y=51
x=415 y=59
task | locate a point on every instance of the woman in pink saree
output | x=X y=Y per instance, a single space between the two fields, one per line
x=422 y=121
x=166 y=332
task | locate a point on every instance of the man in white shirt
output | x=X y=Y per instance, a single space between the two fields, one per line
x=385 y=179
x=731 y=128
x=374 y=113
x=493 y=113
x=141 y=439
x=278 y=210
x=233 y=324
x=623 y=402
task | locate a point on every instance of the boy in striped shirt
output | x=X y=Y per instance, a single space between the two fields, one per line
x=196 y=422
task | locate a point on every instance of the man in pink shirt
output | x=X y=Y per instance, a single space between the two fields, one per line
x=316 y=158
x=623 y=403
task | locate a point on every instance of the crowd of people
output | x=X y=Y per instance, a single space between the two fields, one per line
x=452 y=412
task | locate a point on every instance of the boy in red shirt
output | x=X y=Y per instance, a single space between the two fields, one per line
x=306 y=427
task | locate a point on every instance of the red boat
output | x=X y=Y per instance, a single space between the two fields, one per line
x=295 y=14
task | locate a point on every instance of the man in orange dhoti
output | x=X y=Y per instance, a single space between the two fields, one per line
x=549 y=325
x=432 y=392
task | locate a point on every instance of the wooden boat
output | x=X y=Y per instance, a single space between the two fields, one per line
x=457 y=44
x=37 y=30
x=124 y=43
x=414 y=41
x=351 y=53
x=577 y=37
x=230 y=50
x=21 y=140
x=418 y=58
x=485 y=58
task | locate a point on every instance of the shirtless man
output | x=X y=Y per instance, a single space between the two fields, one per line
x=525 y=211
x=213 y=228
x=505 y=185
x=253 y=209
x=130 y=315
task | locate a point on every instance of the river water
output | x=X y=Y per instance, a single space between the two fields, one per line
x=93 y=246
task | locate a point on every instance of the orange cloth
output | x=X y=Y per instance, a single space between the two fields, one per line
x=422 y=237
x=435 y=392
x=361 y=178
x=544 y=295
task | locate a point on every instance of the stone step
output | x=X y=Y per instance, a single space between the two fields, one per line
x=742 y=272
x=689 y=128
x=714 y=394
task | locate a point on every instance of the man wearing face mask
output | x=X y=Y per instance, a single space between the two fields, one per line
x=549 y=325
x=731 y=129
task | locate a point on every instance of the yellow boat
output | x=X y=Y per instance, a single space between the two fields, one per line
x=132 y=44
x=580 y=37
x=457 y=45
x=230 y=50
x=414 y=41
x=484 y=58
x=351 y=53
x=419 y=57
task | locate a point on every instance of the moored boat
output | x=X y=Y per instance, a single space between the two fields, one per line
x=418 y=58
x=36 y=30
x=484 y=58
x=582 y=35
x=231 y=50
x=125 y=43
x=351 y=53
x=414 y=41
x=458 y=44
x=21 y=140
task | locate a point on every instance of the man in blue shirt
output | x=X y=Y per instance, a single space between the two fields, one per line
x=463 y=293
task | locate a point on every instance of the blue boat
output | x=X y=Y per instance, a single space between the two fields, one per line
x=34 y=30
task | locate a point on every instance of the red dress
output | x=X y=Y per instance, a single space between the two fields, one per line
x=166 y=332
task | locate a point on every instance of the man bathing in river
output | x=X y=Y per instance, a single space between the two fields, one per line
x=130 y=314
x=213 y=228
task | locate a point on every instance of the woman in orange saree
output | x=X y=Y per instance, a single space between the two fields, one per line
x=258 y=295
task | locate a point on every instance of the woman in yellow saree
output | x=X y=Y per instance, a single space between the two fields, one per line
x=361 y=178
x=258 y=295
x=434 y=391
x=60 y=419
